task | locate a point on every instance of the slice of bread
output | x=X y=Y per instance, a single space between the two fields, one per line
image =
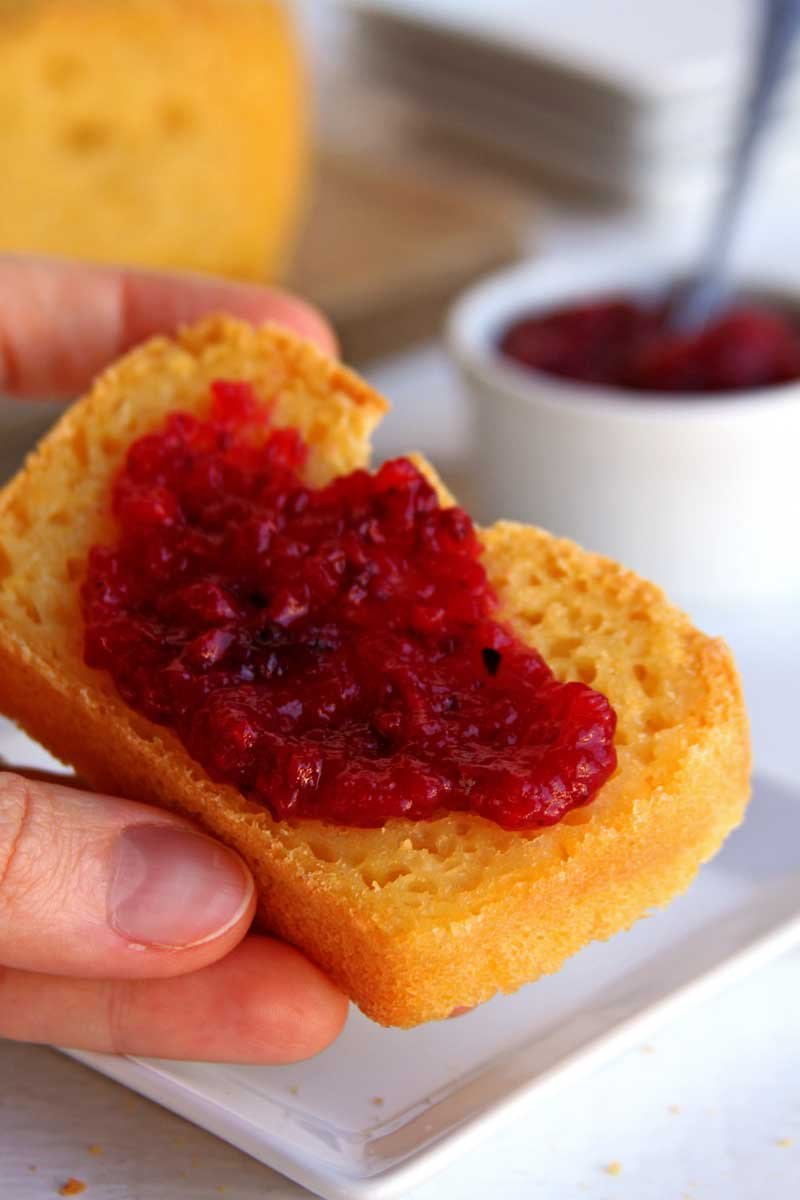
x=412 y=919
x=163 y=133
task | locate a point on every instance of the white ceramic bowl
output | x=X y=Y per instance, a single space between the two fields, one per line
x=700 y=494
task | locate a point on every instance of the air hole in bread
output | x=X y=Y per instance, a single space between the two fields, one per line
x=110 y=446
x=563 y=647
x=6 y=566
x=419 y=887
x=555 y=570
x=87 y=136
x=322 y=851
x=586 y=670
x=533 y=618
x=392 y=875
x=59 y=517
x=648 y=683
x=63 y=72
x=176 y=117
x=658 y=721
x=446 y=845
x=29 y=608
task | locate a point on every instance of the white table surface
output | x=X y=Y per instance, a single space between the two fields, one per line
x=709 y=1110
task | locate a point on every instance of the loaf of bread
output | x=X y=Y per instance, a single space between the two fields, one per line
x=162 y=133
x=415 y=918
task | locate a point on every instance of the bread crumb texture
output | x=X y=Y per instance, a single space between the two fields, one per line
x=198 y=162
x=413 y=919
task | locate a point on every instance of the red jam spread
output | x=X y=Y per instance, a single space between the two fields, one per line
x=621 y=343
x=333 y=652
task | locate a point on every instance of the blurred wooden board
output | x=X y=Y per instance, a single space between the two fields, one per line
x=387 y=247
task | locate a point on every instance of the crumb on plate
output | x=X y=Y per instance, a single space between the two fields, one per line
x=614 y=1168
x=73 y=1187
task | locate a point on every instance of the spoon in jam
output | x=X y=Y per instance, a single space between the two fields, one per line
x=701 y=298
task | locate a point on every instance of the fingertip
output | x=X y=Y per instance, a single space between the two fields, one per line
x=320 y=1031
x=155 y=303
x=62 y=321
x=303 y=319
x=294 y=1010
x=329 y=1017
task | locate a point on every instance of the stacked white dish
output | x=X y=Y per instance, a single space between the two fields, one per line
x=636 y=99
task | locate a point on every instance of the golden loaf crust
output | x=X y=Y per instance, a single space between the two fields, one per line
x=415 y=918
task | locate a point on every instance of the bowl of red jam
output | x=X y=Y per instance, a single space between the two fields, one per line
x=674 y=452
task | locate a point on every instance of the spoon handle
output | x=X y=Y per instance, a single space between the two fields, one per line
x=780 y=27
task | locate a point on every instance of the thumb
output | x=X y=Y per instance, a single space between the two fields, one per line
x=104 y=888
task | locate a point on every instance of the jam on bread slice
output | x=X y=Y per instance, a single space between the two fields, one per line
x=333 y=652
x=412 y=917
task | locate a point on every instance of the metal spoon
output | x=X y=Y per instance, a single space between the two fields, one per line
x=697 y=301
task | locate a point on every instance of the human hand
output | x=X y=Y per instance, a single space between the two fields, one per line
x=122 y=928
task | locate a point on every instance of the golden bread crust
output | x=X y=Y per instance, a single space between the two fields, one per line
x=415 y=918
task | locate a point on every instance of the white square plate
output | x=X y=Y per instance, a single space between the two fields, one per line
x=382 y=1110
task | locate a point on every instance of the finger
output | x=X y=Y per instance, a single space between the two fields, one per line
x=62 y=322
x=264 y=1003
x=97 y=887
